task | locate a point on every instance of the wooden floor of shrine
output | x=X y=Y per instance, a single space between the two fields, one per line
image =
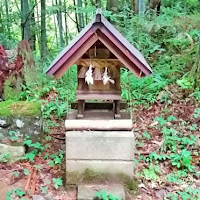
x=97 y=114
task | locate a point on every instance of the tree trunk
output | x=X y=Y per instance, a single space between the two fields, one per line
x=25 y=25
x=154 y=5
x=38 y=33
x=80 y=14
x=33 y=29
x=86 y=15
x=59 y=19
x=195 y=71
x=43 y=30
x=66 y=26
x=7 y=18
x=112 y=5
x=98 y=3
x=135 y=6
x=1 y=20
x=76 y=16
x=55 y=25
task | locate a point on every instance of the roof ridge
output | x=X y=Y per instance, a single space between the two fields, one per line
x=112 y=34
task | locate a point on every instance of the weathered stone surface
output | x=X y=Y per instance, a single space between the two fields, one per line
x=104 y=152
x=98 y=124
x=22 y=126
x=4 y=123
x=48 y=197
x=13 y=152
x=100 y=166
x=38 y=197
x=87 y=192
x=100 y=145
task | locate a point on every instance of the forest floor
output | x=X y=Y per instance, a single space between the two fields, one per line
x=167 y=160
x=167 y=143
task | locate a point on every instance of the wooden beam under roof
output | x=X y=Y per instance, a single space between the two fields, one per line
x=76 y=55
x=119 y=54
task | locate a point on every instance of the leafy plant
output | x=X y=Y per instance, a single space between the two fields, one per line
x=192 y=2
x=160 y=120
x=182 y=160
x=171 y=118
x=37 y=167
x=103 y=195
x=186 y=141
x=58 y=108
x=5 y=157
x=37 y=148
x=16 y=174
x=20 y=192
x=46 y=156
x=193 y=127
x=26 y=172
x=177 y=176
x=57 y=159
x=30 y=156
x=48 y=138
x=1 y=135
x=187 y=194
x=155 y=156
x=152 y=172
x=146 y=135
x=44 y=189
x=36 y=145
x=196 y=113
x=51 y=163
x=12 y=135
x=10 y=195
x=57 y=182
x=170 y=139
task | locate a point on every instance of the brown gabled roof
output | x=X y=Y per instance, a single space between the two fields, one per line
x=100 y=29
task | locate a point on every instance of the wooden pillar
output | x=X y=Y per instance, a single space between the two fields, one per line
x=81 y=105
x=117 y=109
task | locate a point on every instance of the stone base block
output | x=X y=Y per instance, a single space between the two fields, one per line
x=100 y=145
x=104 y=152
x=101 y=166
x=11 y=153
x=21 y=126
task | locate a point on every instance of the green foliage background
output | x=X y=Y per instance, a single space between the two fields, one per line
x=170 y=44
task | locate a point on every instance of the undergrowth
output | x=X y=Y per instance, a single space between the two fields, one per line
x=170 y=43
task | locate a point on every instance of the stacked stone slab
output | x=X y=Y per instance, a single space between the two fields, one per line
x=21 y=118
x=22 y=126
x=105 y=152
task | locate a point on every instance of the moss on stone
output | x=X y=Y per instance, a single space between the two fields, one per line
x=19 y=108
x=12 y=88
x=89 y=176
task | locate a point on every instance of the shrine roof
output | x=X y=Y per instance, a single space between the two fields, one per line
x=101 y=29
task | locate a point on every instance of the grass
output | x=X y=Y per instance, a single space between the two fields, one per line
x=19 y=108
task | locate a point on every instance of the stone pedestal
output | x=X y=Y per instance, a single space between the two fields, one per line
x=104 y=152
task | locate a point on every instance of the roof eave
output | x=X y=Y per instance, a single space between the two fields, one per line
x=103 y=24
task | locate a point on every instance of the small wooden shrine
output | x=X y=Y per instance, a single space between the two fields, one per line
x=99 y=134
x=99 y=51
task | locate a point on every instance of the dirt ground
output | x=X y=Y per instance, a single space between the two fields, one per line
x=41 y=174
